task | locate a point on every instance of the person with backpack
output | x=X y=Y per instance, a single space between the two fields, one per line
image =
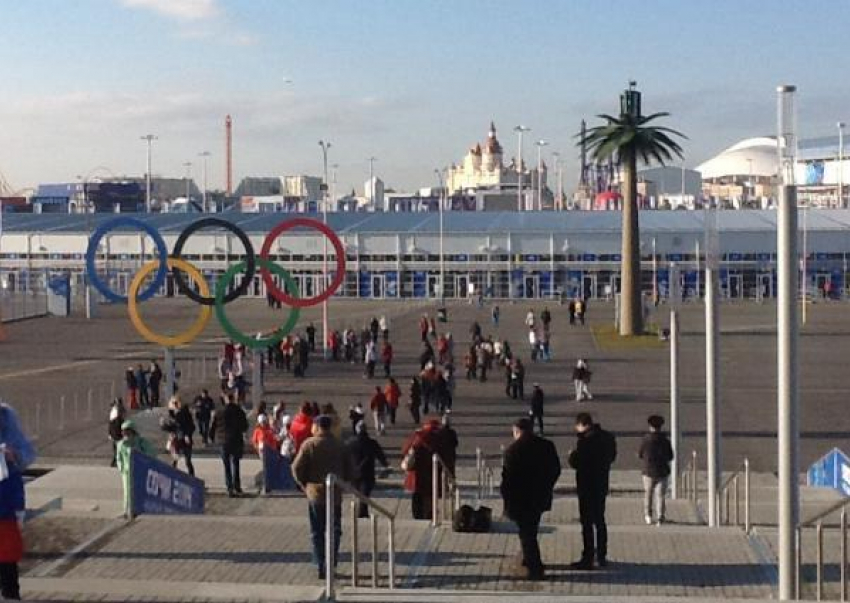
x=365 y=452
x=530 y=471
x=656 y=452
x=416 y=462
x=592 y=458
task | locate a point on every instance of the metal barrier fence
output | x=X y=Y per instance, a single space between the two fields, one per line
x=78 y=407
x=331 y=483
x=817 y=522
x=18 y=305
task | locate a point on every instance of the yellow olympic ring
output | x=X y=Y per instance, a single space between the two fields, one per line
x=164 y=340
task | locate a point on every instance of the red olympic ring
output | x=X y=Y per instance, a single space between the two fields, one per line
x=280 y=295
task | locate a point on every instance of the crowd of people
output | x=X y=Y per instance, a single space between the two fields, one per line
x=313 y=442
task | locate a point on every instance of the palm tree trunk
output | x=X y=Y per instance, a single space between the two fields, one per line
x=631 y=308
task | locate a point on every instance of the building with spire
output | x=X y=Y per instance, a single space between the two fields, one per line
x=483 y=167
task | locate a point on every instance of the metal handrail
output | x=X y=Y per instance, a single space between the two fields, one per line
x=449 y=485
x=730 y=488
x=819 y=564
x=331 y=483
x=690 y=479
x=829 y=511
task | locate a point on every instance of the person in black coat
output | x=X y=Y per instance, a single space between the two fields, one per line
x=592 y=458
x=365 y=452
x=656 y=453
x=204 y=408
x=181 y=427
x=529 y=474
x=228 y=428
x=536 y=410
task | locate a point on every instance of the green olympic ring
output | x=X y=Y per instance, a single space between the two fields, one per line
x=235 y=334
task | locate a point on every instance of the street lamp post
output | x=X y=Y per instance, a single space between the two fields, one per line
x=325 y=146
x=440 y=202
x=372 y=161
x=787 y=334
x=149 y=138
x=205 y=155
x=841 y=164
x=557 y=201
x=540 y=144
x=519 y=130
x=334 y=168
x=188 y=166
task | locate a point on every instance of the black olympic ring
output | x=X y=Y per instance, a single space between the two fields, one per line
x=250 y=261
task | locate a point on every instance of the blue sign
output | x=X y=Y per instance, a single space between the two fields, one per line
x=831 y=471
x=159 y=489
x=588 y=257
x=277 y=472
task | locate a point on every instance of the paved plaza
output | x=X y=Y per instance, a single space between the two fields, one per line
x=257 y=548
x=46 y=359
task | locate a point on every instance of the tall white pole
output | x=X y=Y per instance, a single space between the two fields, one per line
x=519 y=201
x=675 y=433
x=205 y=155
x=712 y=369
x=805 y=262
x=540 y=144
x=787 y=392
x=654 y=272
x=841 y=164
x=325 y=146
x=149 y=138
x=441 y=202
x=372 y=182
x=787 y=335
x=188 y=166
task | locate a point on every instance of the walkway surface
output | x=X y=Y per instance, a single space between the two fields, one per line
x=257 y=549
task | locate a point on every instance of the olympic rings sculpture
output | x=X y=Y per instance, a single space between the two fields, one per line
x=174 y=263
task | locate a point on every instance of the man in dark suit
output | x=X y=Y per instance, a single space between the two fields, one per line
x=595 y=452
x=531 y=469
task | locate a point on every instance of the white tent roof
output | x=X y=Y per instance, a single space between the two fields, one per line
x=735 y=161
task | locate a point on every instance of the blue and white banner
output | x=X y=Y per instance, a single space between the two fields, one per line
x=831 y=471
x=159 y=489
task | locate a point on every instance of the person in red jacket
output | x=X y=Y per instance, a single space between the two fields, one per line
x=264 y=436
x=387 y=358
x=392 y=392
x=302 y=425
x=378 y=405
x=417 y=451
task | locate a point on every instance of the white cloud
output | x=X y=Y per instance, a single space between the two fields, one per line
x=184 y=10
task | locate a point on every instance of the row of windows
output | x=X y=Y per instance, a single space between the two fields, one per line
x=528 y=258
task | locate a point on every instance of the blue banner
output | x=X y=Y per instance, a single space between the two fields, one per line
x=159 y=489
x=831 y=471
x=277 y=472
x=391 y=284
x=420 y=284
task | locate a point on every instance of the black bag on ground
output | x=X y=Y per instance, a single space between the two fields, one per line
x=467 y=519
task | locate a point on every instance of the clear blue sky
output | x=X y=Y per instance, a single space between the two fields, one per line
x=412 y=82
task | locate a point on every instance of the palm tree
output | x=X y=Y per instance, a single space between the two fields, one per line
x=628 y=138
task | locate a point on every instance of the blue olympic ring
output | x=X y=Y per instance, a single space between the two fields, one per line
x=91 y=257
